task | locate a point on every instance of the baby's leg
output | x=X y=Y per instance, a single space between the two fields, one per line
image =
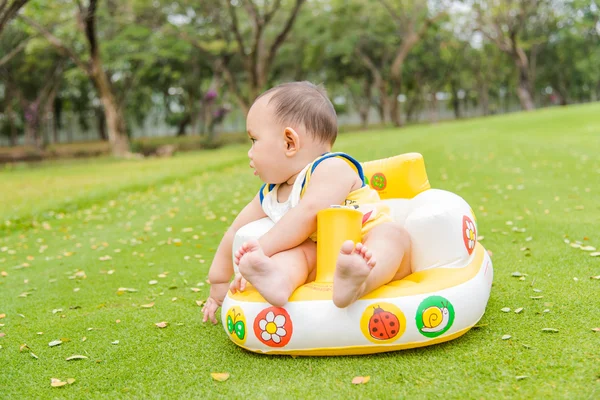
x=385 y=256
x=278 y=276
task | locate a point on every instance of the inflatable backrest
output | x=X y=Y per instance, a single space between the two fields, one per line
x=399 y=177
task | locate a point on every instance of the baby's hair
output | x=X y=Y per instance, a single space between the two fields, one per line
x=307 y=104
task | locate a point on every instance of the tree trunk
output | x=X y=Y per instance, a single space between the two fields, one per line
x=412 y=108
x=57 y=111
x=524 y=89
x=31 y=122
x=595 y=93
x=32 y=131
x=395 y=109
x=433 y=109
x=101 y=120
x=524 y=93
x=455 y=99
x=362 y=102
x=115 y=121
x=48 y=116
x=11 y=121
x=55 y=137
x=561 y=87
x=484 y=98
x=183 y=124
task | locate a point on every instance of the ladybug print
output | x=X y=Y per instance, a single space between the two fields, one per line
x=383 y=324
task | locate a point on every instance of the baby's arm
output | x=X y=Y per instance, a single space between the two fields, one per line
x=221 y=268
x=330 y=184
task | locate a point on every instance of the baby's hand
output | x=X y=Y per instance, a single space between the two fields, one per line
x=209 y=310
x=238 y=284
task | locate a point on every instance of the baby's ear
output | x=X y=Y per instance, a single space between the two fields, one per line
x=292 y=141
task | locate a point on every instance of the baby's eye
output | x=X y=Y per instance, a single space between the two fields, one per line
x=252 y=140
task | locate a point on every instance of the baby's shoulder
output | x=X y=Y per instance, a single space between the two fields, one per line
x=339 y=169
x=333 y=167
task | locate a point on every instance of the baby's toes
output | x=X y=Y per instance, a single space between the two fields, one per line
x=371 y=263
x=363 y=251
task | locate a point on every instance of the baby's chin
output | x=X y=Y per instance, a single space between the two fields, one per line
x=273 y=181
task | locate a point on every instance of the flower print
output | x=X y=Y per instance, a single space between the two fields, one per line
x=273 y=327
x=469 y=234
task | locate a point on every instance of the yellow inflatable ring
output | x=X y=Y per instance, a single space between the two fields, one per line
x=441 y=300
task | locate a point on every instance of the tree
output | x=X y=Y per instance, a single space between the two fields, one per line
x=8 y=10
x=571 y=58
x=31 y=80
x=410 y=21
x=508 y=23
x=94 y=69
x=258 y=53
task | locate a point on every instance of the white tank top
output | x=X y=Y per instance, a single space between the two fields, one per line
x=276 y=210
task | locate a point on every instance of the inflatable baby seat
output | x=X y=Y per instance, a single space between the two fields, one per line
x=441 y=300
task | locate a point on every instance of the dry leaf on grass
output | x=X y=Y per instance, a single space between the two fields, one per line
x=76 y=357
x=54 y=382
x=161 y=324
x=122 y=290
x=149 y=305
x=220 y=376
x=358 y=380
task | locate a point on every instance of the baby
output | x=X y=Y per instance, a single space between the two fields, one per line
x=292 y=128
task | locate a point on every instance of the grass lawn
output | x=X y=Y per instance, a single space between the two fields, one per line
x=72 y=234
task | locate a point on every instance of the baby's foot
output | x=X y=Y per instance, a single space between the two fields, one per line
x=353 y=266
x=260 y=271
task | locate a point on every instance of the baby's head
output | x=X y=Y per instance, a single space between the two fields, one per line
x=290 y=125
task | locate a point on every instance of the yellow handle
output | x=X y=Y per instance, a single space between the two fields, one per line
x=334 y=227
x=399 y=177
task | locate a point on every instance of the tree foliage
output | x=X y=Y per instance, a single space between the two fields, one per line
x=190 y=63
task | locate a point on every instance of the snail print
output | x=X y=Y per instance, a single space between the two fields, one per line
x=435 y=316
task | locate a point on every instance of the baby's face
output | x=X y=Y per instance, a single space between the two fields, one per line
x=267 y=154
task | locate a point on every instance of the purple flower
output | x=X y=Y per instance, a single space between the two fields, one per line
x=210 y=95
